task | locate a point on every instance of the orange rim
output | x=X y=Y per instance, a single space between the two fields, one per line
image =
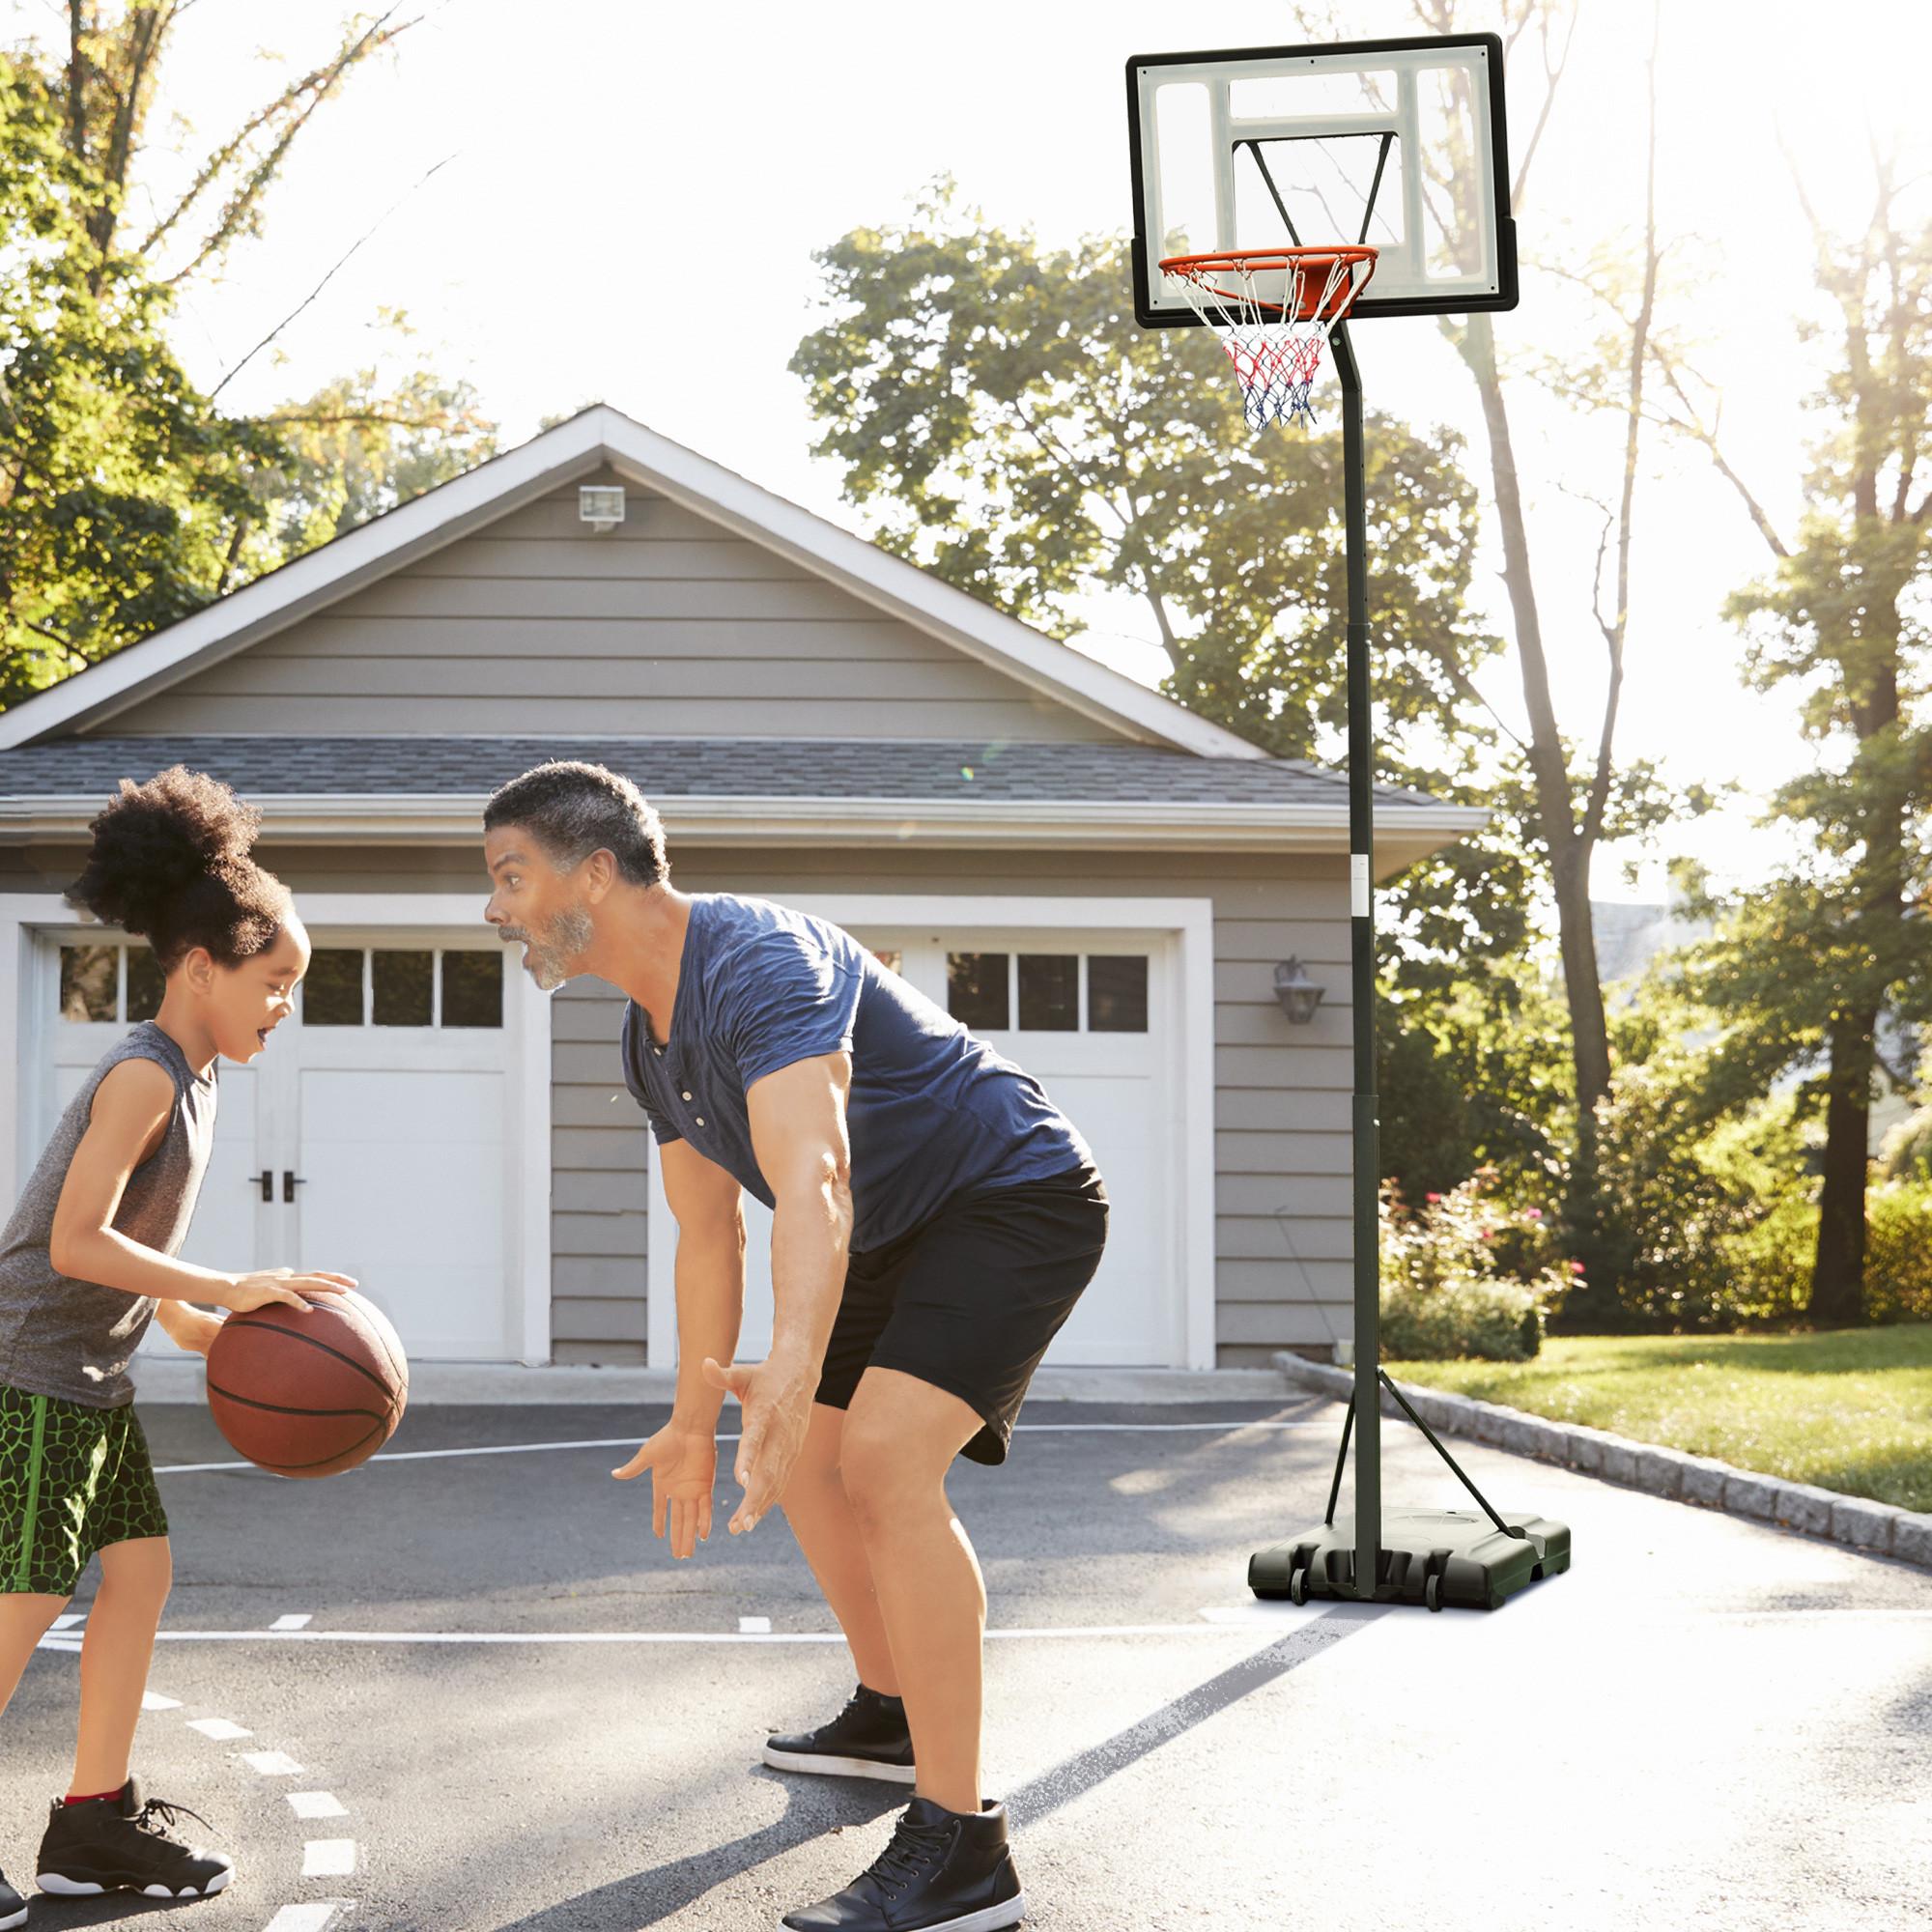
x=1200 y=270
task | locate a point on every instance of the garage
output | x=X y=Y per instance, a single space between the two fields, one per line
x=375 y=1137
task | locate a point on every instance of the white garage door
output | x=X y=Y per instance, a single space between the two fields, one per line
x=374 y=1138
x=1087 y=1014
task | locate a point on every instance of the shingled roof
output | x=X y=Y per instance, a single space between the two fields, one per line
x=695 y=768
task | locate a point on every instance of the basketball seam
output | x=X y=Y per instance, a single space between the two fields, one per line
x=284 y=1468
x=348 y=1361
x=283 y=1408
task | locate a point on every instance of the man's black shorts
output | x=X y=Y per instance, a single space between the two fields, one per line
x=969 y=1300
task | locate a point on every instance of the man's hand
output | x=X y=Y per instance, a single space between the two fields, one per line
x=265 y=1284
x=683 y=1462
x=776 y=1397
x=191 y=1328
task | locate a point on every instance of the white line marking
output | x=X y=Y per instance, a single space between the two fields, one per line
x=754 y=1626
x=68 y=1619
x=647 y=1636
x=217 y=1727
x=300 y=1620
x=316 y=1804
x=329 y=1857
x=631 y=1441
x=271 y=1764
x=70 y=1644
x=310 y=1917
x=153 y=1700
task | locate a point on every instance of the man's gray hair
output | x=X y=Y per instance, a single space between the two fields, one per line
x=573 y=809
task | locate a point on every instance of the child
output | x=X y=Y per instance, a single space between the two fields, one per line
x=85 y=1263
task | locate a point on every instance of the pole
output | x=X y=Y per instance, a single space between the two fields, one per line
x=1362 y=964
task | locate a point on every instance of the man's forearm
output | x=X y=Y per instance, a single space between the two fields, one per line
x=812 y=1231
x=710 y=1276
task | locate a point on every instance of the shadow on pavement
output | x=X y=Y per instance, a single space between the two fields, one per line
x=655 y=1896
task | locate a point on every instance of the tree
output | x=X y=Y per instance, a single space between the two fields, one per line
x=1006 y=424
x=1809 y=961
x=119 y=483
x=132 y=497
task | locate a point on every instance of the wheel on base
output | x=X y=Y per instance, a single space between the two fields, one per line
x=1432 y=1590
x=1297 y=1587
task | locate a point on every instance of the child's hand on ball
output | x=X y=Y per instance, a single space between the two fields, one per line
x=257 y=1289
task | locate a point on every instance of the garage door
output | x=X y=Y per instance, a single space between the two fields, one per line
x=374 y=1138
x=1086 y=1014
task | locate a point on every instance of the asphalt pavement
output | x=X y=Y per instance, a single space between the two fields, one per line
x=479 y=1697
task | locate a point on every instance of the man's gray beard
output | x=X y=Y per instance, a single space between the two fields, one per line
x=565 y=940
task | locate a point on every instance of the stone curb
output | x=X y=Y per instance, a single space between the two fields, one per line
x=1855 y=1522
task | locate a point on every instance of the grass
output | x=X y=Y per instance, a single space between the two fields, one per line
x=1850 y=1410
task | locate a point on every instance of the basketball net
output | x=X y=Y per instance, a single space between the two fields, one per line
x=1271 y=311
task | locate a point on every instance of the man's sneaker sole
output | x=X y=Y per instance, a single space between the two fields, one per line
x=86 y=1887
x=989 y=1918
x=845 y=1767
x=18 y=1918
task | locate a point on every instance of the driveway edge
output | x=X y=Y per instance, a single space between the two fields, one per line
x=1856 y=1521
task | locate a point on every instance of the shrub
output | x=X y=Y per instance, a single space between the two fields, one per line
x=1898 y=1252
x=1466 y=1275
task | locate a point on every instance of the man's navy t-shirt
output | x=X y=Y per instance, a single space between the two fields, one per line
x=932 y=1111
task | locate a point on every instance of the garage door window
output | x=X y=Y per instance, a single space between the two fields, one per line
x=984 y=990
x=109 y=983
x=403 y=986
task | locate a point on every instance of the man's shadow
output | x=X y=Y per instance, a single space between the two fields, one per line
x=649 y=1898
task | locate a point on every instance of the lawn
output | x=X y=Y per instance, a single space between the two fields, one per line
x=1850 y=1410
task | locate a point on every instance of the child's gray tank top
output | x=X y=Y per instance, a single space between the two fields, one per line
x=72 y=1339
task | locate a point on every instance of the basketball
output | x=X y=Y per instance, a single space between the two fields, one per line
x=308 y=1395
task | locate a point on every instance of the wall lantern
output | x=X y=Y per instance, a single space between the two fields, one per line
x=601 y=505
x=1298 y=993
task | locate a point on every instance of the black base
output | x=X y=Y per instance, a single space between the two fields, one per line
x=1427 y=1556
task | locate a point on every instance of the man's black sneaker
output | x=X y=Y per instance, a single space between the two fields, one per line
x=12 y=1907
x=943 y=1872
x=126 y=1843
x=868 y=1739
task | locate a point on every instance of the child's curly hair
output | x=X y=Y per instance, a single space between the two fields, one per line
x=171 y=863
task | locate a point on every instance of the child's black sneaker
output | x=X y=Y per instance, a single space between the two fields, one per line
x=868 y=1739
x=944 y=1871
x=12 y=1907
x=126 y=1843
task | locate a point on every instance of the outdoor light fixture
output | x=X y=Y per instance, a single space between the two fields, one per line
x=601 y=505
x=1298 y=993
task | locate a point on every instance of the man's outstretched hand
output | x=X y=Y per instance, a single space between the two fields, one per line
x=776 y=1398
x=683 y=1462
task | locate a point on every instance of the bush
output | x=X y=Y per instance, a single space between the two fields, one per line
x=1466 y=1275
x=1898 y=1252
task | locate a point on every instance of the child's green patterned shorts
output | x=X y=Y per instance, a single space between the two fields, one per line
x=72 y=1480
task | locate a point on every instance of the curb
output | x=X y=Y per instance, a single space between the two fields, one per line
x=1877 y=1529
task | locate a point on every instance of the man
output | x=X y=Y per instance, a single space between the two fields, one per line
x=934 y=1220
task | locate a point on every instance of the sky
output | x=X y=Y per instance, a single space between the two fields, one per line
x=630 y=194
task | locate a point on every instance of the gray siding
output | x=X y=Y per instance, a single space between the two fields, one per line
x=1282 y=1100
x=665 y=626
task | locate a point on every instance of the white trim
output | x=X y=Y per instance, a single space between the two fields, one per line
x=1403 y=833
x=598 y=436
x=528 y=1031
x=1191 y=920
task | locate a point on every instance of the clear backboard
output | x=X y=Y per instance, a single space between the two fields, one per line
x=1398 y=145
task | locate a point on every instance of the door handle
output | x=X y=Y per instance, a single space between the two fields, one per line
x=290 y=1180
x=267 y=1184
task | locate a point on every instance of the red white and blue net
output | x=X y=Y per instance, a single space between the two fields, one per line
x=1271 y=310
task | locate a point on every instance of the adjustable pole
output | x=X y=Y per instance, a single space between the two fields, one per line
x=1367 y=1411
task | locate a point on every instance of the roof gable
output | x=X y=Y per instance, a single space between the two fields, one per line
x=363 y=561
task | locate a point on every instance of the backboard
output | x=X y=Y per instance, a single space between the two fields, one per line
x=1397 y=143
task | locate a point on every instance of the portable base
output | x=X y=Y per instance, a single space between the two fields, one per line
x=1427 y=1556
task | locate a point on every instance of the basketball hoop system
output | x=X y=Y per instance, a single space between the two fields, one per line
x=1272 y=310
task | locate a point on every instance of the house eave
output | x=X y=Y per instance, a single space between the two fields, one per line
x=1403 y=833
